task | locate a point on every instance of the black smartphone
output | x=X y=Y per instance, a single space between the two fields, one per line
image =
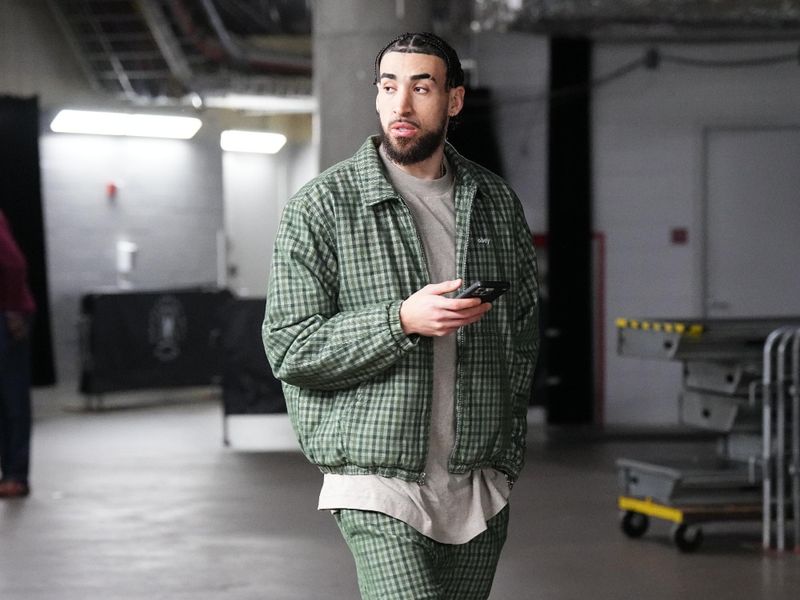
x=487 y=291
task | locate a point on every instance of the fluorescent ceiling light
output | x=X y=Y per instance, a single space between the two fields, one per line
x=262 y=142
x=139 y=125
x=263 y=103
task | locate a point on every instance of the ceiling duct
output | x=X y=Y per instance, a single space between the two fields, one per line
x=668 y=20
x=254 y=56
x=170 y=51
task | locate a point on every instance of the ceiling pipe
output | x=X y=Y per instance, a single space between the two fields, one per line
x=167 y=43
x=636 y=20
x=269 y=61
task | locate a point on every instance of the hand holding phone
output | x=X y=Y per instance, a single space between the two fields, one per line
x=487 y=291
x=429 y=312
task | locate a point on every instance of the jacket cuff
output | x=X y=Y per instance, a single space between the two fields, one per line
x=405 y=342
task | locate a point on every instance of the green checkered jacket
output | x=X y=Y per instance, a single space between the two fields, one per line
x=358 y=390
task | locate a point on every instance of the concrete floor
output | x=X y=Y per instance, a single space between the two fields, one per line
x=142 y=501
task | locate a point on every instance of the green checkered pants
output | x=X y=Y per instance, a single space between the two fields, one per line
x=396 y=562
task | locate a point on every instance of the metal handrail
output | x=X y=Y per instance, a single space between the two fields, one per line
x=778 y=380
x=795 y=464
x=780 y=439
x=767 y=447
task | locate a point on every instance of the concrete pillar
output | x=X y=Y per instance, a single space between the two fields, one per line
x=347 y=36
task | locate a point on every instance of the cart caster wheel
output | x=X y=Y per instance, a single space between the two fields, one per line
x=687 y=537
x=634 y=524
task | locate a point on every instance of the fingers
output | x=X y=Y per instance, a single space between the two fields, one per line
x=475 y=310
x=429 y=312
x=449 y=321
x=462 y=303
x=443 y=287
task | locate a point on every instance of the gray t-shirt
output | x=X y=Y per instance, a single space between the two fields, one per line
x=449 y=508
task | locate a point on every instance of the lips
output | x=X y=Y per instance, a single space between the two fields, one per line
x=403 y=128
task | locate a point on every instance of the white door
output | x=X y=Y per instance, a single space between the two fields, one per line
x=752 y=258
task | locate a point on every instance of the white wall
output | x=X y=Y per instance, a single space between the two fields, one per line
x=516 y=67
x=255 y=190
x=257 y=187
x=169 y=203
x=648 y=177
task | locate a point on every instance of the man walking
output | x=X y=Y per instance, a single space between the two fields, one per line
x=411 y=402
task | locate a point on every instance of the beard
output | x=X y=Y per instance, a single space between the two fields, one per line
x=404 y=151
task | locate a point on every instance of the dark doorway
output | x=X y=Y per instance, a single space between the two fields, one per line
x=568 y=331
x=21 y=201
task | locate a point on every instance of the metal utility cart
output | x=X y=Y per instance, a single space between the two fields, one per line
x=732 y=377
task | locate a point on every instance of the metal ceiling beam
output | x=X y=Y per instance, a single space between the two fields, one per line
x=252 y=56
x=167 y=42
x=72 y=42
x=152 y=64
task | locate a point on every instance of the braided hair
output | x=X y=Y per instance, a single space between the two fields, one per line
x=425 y=43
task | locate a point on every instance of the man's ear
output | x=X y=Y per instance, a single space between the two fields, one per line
x=456 y=102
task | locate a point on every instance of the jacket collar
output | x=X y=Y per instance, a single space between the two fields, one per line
x=375 y=184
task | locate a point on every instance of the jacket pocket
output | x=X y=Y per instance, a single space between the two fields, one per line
x=485 y=399
x=315 y=418
x=383 y=426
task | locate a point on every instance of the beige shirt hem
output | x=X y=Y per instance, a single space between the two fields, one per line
x=452 y=516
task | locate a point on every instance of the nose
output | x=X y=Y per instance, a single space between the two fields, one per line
x=402 y=104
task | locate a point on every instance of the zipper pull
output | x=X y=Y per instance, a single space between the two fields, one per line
x=421 y=478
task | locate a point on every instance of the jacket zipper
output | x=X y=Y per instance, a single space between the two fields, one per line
x=460 y=334
x=422 y=475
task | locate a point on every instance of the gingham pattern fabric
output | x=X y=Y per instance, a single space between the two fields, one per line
x=394 y=561
x=358 y=390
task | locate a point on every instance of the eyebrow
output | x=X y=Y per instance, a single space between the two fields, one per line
x=413 y=77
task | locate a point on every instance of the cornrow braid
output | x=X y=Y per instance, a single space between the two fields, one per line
x=425 y=43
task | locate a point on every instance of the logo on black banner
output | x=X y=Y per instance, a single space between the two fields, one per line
x=167 y=328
